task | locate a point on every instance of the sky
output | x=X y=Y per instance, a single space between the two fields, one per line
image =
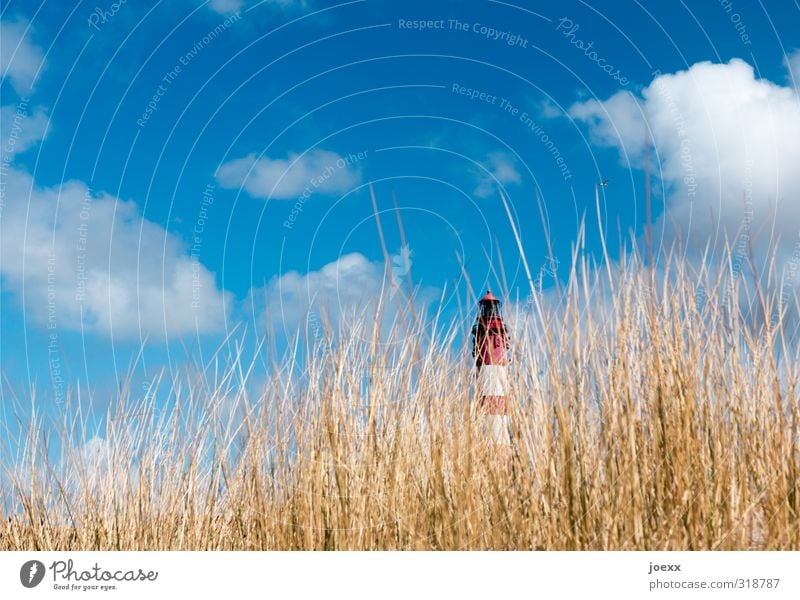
x=177 y=171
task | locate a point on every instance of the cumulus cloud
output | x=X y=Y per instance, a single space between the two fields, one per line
x=339 y=289
x=347 y=290
x=725 y=143
x=549 y=110
x=20 y=129
x=289 y=5
x=20 y=60
x=618 y=121
x=316 y=171
x=82 y=259
x=226 y=7
x=499 y=168
x=85 y=257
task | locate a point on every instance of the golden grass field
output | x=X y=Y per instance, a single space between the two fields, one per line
x=640 y=420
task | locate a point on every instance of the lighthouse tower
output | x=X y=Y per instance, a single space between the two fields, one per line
x=490 y=346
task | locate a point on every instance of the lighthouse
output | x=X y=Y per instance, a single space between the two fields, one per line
x=490 y=346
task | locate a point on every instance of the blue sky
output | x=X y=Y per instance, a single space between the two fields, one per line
x=174 y=170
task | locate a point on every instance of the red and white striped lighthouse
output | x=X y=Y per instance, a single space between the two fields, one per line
x=490 y=346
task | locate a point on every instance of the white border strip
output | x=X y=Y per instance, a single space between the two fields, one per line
x=408 y=575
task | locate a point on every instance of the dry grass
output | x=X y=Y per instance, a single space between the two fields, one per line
x=638 y=423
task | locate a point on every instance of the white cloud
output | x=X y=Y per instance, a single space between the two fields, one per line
x=226 y=7
x=339 y=289
x=550 y=110
x=72 y=251
x=316 y=171
x=289 y=4
x=86 y=260
x=725 y=142
x=499 y=169
x=20 y=60
x=617 y=121
x=99 y=469
x=94 y=458
x=347 y=290
x=20 y=129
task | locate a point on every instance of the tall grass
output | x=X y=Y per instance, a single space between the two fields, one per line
x=641 y=419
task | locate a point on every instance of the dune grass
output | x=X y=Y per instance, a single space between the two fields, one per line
x=641 y=419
